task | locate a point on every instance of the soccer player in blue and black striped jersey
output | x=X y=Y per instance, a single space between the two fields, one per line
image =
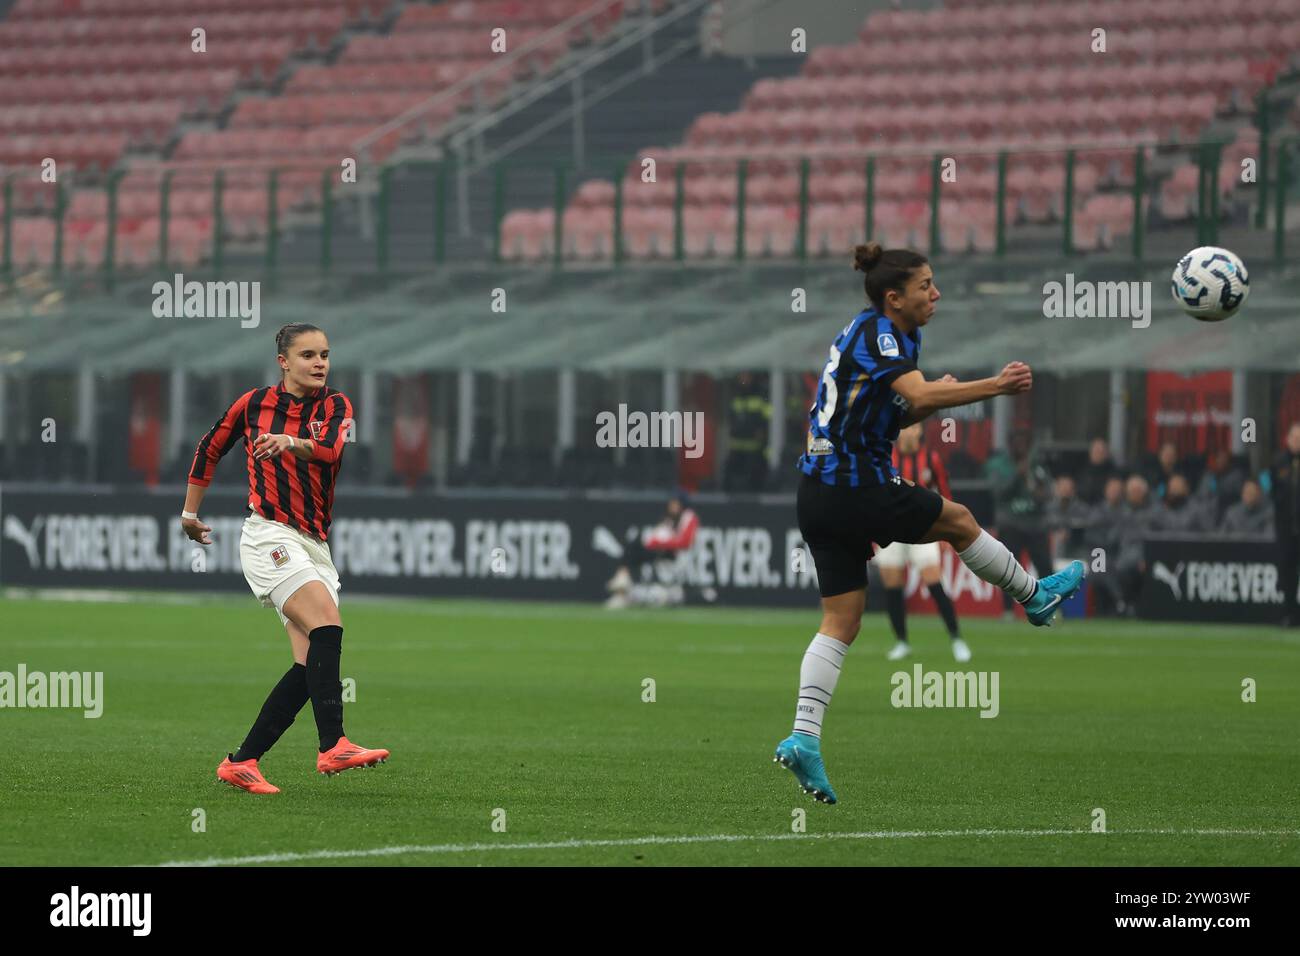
x=851 y=494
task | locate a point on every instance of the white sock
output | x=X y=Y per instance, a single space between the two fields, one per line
x=817 y=676
x=989 y=560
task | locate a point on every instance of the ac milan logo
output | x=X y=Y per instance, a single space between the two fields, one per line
x=316 y=429
x=280 y=556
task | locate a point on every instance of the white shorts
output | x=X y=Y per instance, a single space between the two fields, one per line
x=278 y=560
x=899 y=555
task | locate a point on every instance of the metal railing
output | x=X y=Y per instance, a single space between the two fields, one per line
x=1208 y=212
x=322 y=201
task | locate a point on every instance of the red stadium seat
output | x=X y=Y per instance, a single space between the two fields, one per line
x=648 y=233
x=709 y=231
x=134 y=102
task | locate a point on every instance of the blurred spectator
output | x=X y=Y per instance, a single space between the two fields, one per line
x=1099 y=470
x=1159 y=469
x=748 y=418
x=1251 y=515
x=1178 y=513
x=1020 y=491
x=1286 y=509
x=801 y=393
x=1127 y=563
x=1220 y=485
x=1068 y=518
x=1105 y=523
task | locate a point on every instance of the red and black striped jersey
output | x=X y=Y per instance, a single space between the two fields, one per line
x=925 y=468
x=296 y=492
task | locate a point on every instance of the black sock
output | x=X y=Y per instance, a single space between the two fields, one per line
x=897 y=617
x=324 y=684
x=279 y=711
x=942 y=602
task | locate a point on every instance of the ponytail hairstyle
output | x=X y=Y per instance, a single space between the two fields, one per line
x=885 y=269
x=284 y=338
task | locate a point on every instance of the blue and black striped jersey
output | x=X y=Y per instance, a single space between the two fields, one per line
x=853 y=423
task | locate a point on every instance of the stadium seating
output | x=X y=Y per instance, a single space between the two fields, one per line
x=299 y=84
x=134 y=105
x=295 y=86
x=1166 y=74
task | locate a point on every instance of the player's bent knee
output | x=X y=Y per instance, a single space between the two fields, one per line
x=961 y=528
x=968 y=524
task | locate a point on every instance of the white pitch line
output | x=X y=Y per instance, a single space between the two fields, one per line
x=679 y=840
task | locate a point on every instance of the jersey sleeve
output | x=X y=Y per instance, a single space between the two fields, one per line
x=221 y=437
x=940 y=473
x=334 y=434
x=880 y=355
x=681 y=538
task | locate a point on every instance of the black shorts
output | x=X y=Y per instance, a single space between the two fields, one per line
x=838 y=523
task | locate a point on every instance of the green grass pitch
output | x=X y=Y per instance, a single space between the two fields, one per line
x=537 y=710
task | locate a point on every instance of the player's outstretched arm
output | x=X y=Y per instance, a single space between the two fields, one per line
x=913 y=416
x=925 y=398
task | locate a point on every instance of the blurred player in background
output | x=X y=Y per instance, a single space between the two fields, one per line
x=922 y=466
x=674 y=533
x=851 y=494
x=294 y=435
x=1286 y=518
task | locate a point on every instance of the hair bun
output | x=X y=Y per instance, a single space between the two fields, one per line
x=865 y=257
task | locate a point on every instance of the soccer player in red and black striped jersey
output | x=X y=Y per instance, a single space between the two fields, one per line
x=294 y=434
x=922 y=467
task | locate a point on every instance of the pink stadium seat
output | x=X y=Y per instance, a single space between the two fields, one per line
x=984 y=238
x=595 y=193
x=709 y=232
x=837 y=188
x=579 y=236
x=514 y=228
x=33 y=240
x=718 y=186
x=771 y=230
x=1178 y=193
x=648 y=233
x=834 y=228
x=773 y=190
x=539 y=235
